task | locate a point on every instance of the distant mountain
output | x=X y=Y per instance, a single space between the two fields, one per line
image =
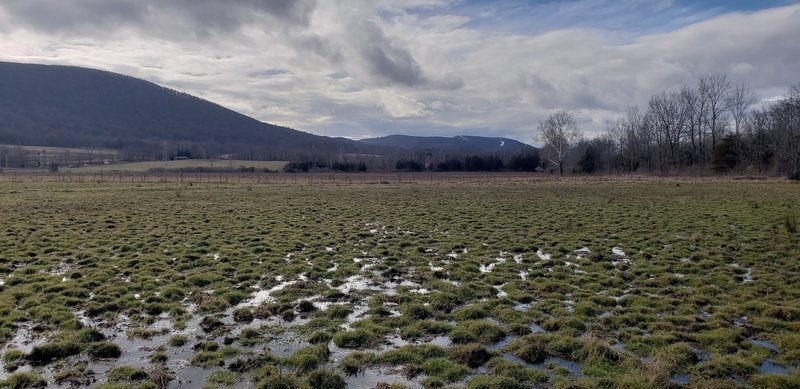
x=456 y=144
x=47 y=105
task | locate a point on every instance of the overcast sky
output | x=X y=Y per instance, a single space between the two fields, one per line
x=428 y=67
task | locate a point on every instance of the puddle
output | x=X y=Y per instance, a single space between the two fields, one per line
x=522 y=307
x=620 y=256
x=572 y=367
x=435 y=268
x=357 y=283
x=701 y=355
x=372 y=376
x=747 y=276
x=769 y=367
x=499 y=345
x=265 y=295
x=680 y=379
x=582 y=252
x=488 y=268
x=500 y=292
x=136 y=352
x=25 y=338
x=542 y=255
x=536 y=329
x=765 y=344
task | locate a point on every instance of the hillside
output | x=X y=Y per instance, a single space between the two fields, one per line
x=63 y=106
x=456 y=144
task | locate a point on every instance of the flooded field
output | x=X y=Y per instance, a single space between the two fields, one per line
x=558 y=284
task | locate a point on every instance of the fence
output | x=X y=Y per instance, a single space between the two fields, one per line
x=271 y=178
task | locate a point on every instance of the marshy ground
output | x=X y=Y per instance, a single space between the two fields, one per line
x=595 y=284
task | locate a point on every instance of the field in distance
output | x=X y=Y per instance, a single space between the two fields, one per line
x=552 y=284
x=179 y=164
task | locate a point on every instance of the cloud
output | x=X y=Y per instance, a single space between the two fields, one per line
x=427 y=67
x=385 y=59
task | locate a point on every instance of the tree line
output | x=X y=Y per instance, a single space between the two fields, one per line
x=715 y=126
x=474 y=163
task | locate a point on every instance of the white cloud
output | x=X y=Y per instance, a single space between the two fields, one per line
x=378 y=68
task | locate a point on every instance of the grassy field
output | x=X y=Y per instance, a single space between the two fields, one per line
x=560 y=284
x=179 y=164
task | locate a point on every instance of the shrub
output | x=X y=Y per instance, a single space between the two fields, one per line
x=126 y=374
x=320 y=337
x=527 y=349
x=485 y=331
x=417 y=311
x=12 y=356
x=445 y=369
x=23 y=381
x=411 y=354
x=472 y=355
x=281 y=382
x=322 y=379
x=306 y=306
x=486 y=382
x=354 y=339
x=356 y=362
x=338 y=311
x=243 y=315
x=470 y=312
x=223 y=377
x=207 y=359
x=461 y=336
x=159 y=357
x=177 y=340
x=48 y=352
x=309 y=358
x=103 y=349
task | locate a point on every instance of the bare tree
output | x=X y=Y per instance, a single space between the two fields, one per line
x=786 y=122
x=741 y=98
x=697 y=117
x=714 y=90
x=559 y=132
x=760 y=150
x=670 y=115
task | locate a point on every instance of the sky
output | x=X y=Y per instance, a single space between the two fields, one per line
x=359 y=68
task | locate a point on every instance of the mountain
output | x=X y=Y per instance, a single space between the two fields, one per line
x=456 y=144
x=64 y=106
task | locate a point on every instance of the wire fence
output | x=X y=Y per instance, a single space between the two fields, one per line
x=271 y=178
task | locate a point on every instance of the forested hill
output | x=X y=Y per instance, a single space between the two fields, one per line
x=462 y=144
x=49 y=105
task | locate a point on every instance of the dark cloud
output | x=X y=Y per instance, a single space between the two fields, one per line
x=200 y=17
x=386 y=60
x=74 y=16
x=380 y=57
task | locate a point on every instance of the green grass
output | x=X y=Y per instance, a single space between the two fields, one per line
x=357 y=270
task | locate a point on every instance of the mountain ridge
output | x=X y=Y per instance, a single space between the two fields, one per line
x=67 y=106
x=70 y=106
x=458 y=143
